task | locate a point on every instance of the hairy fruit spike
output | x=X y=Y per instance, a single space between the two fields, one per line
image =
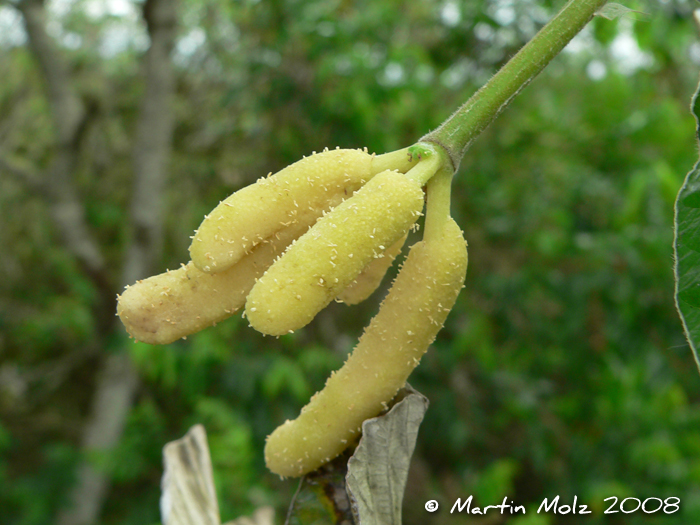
x=371 y=277
x=317 y=267
x=258 y=211
x=408 y=321
x=166 y=307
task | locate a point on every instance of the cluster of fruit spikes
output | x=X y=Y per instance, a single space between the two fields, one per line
x=325 y=228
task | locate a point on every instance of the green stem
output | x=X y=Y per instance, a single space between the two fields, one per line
x=437 y=210
x=394 y=160
x=430 y=160
x=458 y=131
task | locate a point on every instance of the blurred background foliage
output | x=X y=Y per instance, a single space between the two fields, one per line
x=563 y=368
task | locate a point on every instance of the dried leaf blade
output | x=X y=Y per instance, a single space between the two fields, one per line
x=188 y=495
x=378 y=469
x=612 y=11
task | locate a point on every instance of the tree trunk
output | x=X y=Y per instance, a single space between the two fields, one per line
x=117 y=381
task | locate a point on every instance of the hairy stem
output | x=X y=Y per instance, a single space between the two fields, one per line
x=437 y=211
x=457 y=132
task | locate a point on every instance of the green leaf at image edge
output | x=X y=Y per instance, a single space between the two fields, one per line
x=686 y=247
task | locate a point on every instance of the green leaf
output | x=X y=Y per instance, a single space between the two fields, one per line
x=687 y=248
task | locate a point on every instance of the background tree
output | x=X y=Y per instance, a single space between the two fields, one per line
x=72 y=116
x=563 y=369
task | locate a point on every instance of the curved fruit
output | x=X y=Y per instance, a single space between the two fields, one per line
x=408 y=321
x=258 y=211
x=166 y=307
x=318 y=266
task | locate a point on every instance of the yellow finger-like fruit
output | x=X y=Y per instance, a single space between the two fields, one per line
x=256 y=212
x=371 y=277
x=166 y=307
x=314 y=269
x=408 y=321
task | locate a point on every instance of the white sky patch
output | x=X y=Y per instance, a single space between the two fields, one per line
x=120 y=37
x=596 y=70
x=11 y=28
x=456 y=75
x=505 y=36
x=97 y=9
x=626 y=56
x=121 y=25
x=629 y=58
x=54 y=28
x=393 y=74
x=72 y=40
x=191 y=42
x=450 y=14
x=484 y=32
x=60 y=8
x=583 y=41
x=504 y=14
